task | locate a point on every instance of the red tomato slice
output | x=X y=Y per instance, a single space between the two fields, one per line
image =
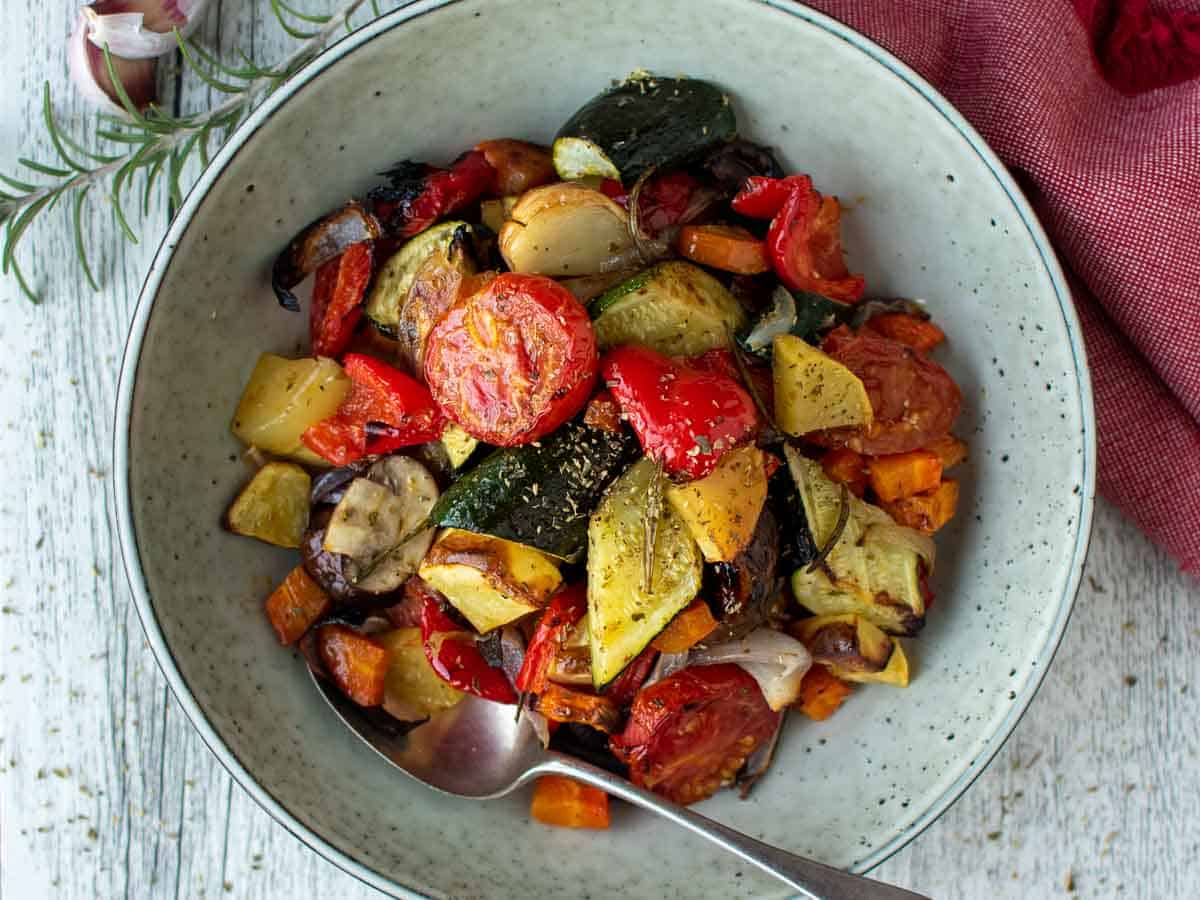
x=691 y=732
x=513 y=362
x=914 y=399
x=337 y=298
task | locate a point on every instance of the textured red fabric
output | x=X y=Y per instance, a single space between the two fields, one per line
x=1115 y=180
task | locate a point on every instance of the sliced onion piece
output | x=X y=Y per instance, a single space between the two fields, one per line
x=317 y=243
x=775 y=660
x=903 y=539
x=666 y=666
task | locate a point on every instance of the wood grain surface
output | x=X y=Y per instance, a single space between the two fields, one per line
x=106 y=791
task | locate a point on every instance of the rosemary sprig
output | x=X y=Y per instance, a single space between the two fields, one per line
x=151 y=140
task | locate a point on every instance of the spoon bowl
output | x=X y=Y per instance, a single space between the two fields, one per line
x=481 y=750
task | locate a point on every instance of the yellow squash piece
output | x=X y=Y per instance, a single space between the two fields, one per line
x=284 y=397
x=489 y=580
x=847 y=642
x=722 y=508
x=412 y=690
x=274 y=506
x=813 y=391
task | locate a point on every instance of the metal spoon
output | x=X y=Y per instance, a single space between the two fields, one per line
x=480 y=750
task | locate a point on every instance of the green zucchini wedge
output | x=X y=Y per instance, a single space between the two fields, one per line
x=674 y=307
x=643 y=122
x=624 y=613
x=873 y=569
x=385 y=303
x=539 y=494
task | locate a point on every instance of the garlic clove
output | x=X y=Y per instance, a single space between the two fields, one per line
x=140 y=29
x=85 y=60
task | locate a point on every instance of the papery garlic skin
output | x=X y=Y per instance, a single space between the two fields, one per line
x=140 y=29
x=85 y=61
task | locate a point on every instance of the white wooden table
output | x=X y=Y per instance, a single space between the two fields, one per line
x=106 y=791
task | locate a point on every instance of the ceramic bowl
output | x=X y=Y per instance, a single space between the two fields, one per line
x=932 y=213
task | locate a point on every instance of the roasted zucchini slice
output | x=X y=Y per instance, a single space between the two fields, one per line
x=625 y=613
x=386 y=301
x=645 y=121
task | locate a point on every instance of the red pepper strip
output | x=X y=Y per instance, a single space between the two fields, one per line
x=613 y=189
x=379 y=394
x=762 y=197
x=805 y=246
x=720 y=361
x=683 y=417
x=622 y=689
x=447 y=191
x=452 y=653
x=337 y=298
x=565 y=609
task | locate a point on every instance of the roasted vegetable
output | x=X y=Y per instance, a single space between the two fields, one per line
x=519 y=165
x=388 y=295
x=566 y=230
x=459 y=445
x=624 y=612
x=926 y=512
x=329 y=570
x=566 y=608
x=814 y=392
x=690 y=734
x=687 y=629
x=385 y=410
x=358 y=664
x=729 y=248
x=914 y=331
x=795 y=545
x=273 y=507
x=374 y=515
x=675 y=308
x=444 y=278
x=421 y=194
x=562 y=704
x=490 y=581
x=338 y=291
x=540 y=494
x=685 y=418
x=296 y=605
x=950 y=450
x=319 y=242
x=453 y=651
x=731 y=163
x=899 y=475
x=412 y=690
x=722 y=508
x=283 y=398
x=644 y=121
x=822 y=693
x=868 y=570
x=845 y=643
x=745 y=592
x=561 y=801
x=800 y=313
x=844 y=466
x=513 y=362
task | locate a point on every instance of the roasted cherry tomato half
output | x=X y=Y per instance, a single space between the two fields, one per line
x=514 y=361
x=691 y=732
x=915 y=401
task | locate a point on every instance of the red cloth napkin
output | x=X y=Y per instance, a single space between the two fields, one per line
x=1095 y=107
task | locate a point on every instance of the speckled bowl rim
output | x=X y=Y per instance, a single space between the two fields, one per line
x=162 y=259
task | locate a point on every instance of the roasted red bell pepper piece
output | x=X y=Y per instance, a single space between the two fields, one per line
x=720 y=360
x=432 y=193
x=615 y=191
x=762 y=197
x=622 y=689
x=399 y=409
x=565 y=609
x=665 y=200
x=684 y=417
x=339 y=289
x=804 y=240
x=452 y=653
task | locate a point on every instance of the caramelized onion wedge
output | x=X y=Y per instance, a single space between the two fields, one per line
x=318 y=243
x=566 y=230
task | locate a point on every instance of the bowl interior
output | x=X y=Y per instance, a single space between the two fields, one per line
x=927 y=216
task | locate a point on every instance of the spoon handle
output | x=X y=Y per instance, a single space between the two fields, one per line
x=811 y=879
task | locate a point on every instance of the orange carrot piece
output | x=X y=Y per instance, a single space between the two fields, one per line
x=725 y=247
x=899 y=475
x=686 y=630
x=920 y=334
x=929 y=511
x=822 y=693
x=844 y=466
x=296 y=605
x=558 y=800
x=357 y=664
x=950 y=449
